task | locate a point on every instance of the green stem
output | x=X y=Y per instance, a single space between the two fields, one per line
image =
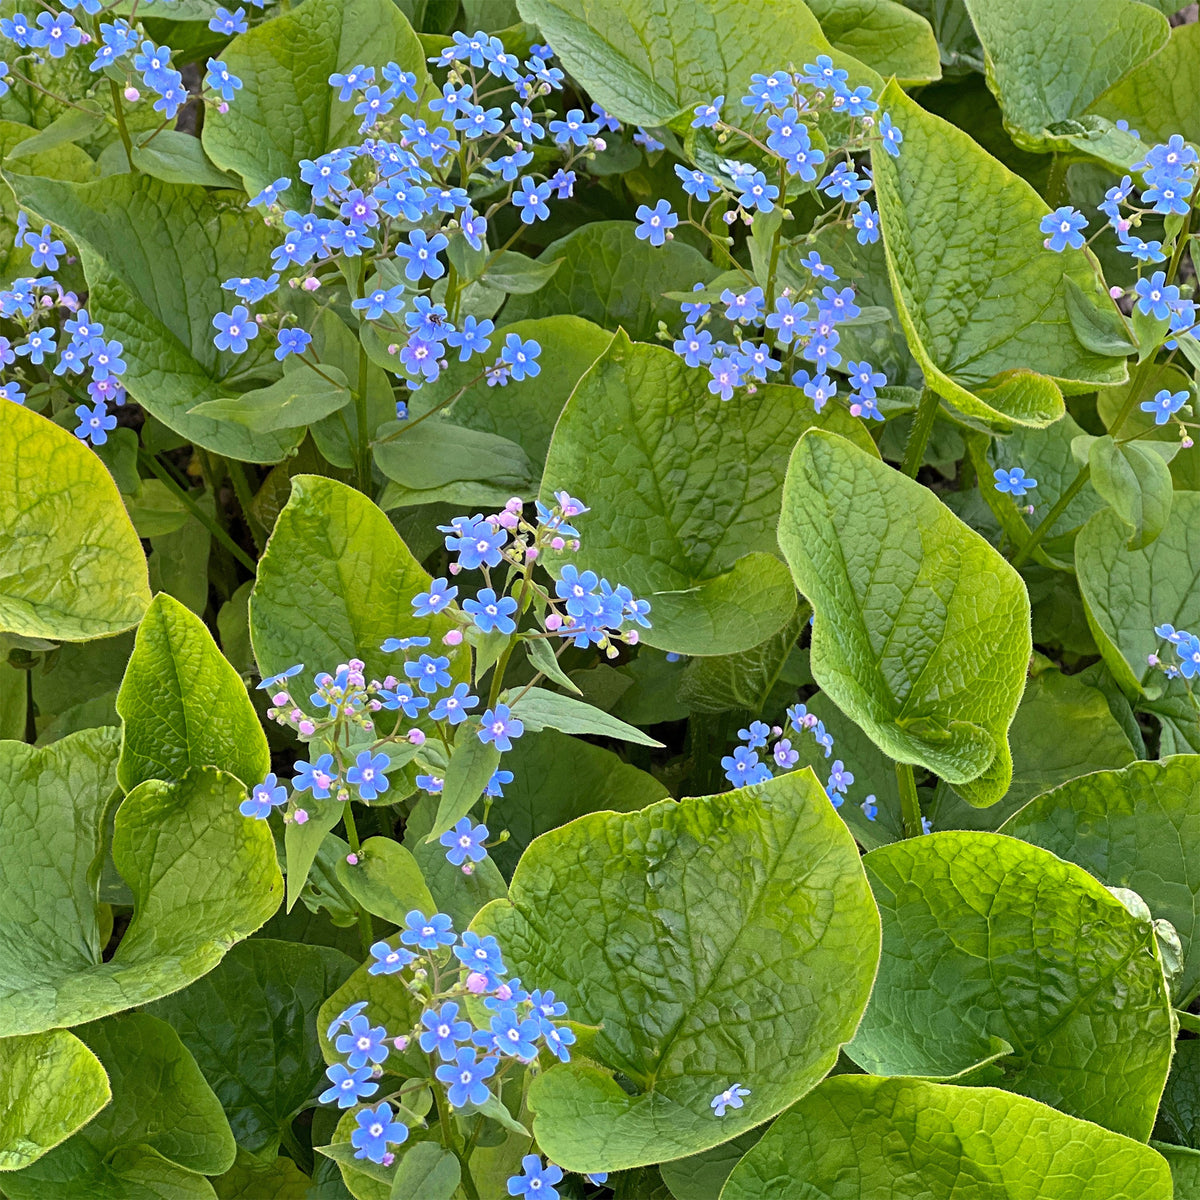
x=292 y=1144
x=241 y=489
x=1047 y=523
x=918 y=437
x=1056 y=181
x=363 y=435
x=366 y=927
x=148 y=460
x=122 y=128
x=910 y=803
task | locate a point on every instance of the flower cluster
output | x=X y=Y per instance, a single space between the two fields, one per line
x=474 y=1027
x=59 y=331
x=777 y=332
x=1187 y=650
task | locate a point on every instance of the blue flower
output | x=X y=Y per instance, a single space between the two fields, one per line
x=393 y=644
x=351 y=81
x=1164 y=405
x=696 y=183
x=731 y=1097
x=376 y=1131
x=726 y=375
x=530 y=199
x=363 y=1045
x=694 y=311
x=455 y=706
x=263 y=798
x=523 y=123
x=866 y=221
x=430 y=783
x=865 y=379
x=707 y=115
x=464 y=841
x=574 y=129
x=480 y=954
x=1013 y=481
x=235 y=329
x=270 y=194
x=839 y=778
x=439 y=596
x=756 y=736
x=741 y=767
x=558 y=1038
x=536 y=1182
x=757 y=193
x=292 y=341
x=12 y=391
x=500 y=726
x=344 y=1018
x=843 y=183
x=220 y=79
x=694 y=347
x=838 y=306
x=1155 y=296
x=316 y=777
x=743 y=306
x=427 y=933
x=230 y=23
x=655 y=223
x=478 y=542
x=348 y=1087
x=489 y=613
x=823 y=738
x=464 y=1078
x=816 y=268
x=823 y=74
x=105 y=358
x=251 y=288
x=389 y=959
x=788 y=319
x=892 y=137
x=783 y=754
x=473 y=338
x=578 y=589
x=94 y=424
x=788 y=134
x=511 y=1035
x=477 y=121
x=39 y=344
x=521 y=358
x=381 y=300
x=367 y=774
x=818 y=390
x=420 y=255
x=430 y=672
x=1064 y=225
x=768 y=91
x=856 y=103
x=443 y=1031
x=56 y=34
x=402 y=697
x=870 y=807
x=46 y=249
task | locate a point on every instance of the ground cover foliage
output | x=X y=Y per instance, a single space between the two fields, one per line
x=599 y=600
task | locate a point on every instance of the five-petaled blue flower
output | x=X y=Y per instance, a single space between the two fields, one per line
x=443 y=1031
x=1164 y=405
x=480 y=954
x=389 y=959
x=536 y=1182
x=455 y=706
x=521 y=358
x=1065 y=226
x=491 y=613
x=464 y=841
x=376 y=1131
x=382 y=300
x=235 y=329
x=1155 y=296
x=731 y=1097
x=705 y=116
x=348 y=1087
x=316 y=777
x=500 y=726
x=427 y=933
x=367 y=774
x=1014 y=481
x=464 y=1078
x=655 y=223
x=439 y=596
x=362 y=1045
x=264 y=796
x=430 y=672
x=420 y=255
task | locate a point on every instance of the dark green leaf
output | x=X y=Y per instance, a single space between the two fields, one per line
x=1135 y=480
x=1101 y=330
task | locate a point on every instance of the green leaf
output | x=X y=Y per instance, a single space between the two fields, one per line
x=50 y=1085
x=884 y=35
x=252 y=1026
x=184 y=706
x=426 y=1171
x=1044 y=73
x=1128 y=592
x=1185 y=1169
x=655 y=926
x=178 y=158
x=1179 y=1113
x=154 y=255
x=1135 y=480
x=974 y=924
x=302 y=842
x=333 y=583
x=1099 y=329
x=248 y=1179
x=701 y=1176
x=540 y=709
x=202 y=878
x=644 y=65
x=386 y=880
x=437 y=452
x=74 y=124
x=542 y=658
x=558 y=778
x=472 y=763
x=518 y=274
x=982 y=302
x=685 y=493
x=1136 y=828
x=1159 y=97
x=857 y=1135
x=286 y=111
x=920 y=628
x=71 y=566
x=609 y=277
x=163 y=1130
x=300 y=398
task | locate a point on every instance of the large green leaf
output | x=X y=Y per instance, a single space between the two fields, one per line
x=858 y=1136
x=684 y=492
x=252 y=1026
x=71 y=565
x=1136 y=828
x=1179 y=1113
x=983 y=303
x=614 y=280
x=154 y=255
x=202 y=878
x=286 y=109
x=50 y=1085
x=921 y=629
x=183 y=704
x=1162 y=95
x=986 y=938
x=1046 y=67
x=162 y=1132
x=1128 y=592
x=1185 y=1169
x=557 y=778
x=335 y=581
x=883 y=34
x=646 y=63
x=715 y=940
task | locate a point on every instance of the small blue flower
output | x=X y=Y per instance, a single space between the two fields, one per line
x=316 y=777
x=757 y=193
x=376 y=1131
x=520 y=357
x=427 y=933
x=1014 y=481
x=1164 y=405
x=420 y=255
x=696 y=183
x=511 y=1035
x=431 y=784
x=348 y=1087
x=380 y=301
x=367 y=774
x=866 y=221
x=292 y=341
x=363 y=1045
x=892 y=137
x=1065 y=226
x=464 y=1078
x=839 y=778
x=464 y=841
x=46 y=249
x=393 y=644
x=439 y=596
x=726 y=375
x=864 y=379
x=263 y=798
x=499 y=780
x=455 y=706
x=574 y=129
x=220 y=79
x=536 y=1182
x=707 y=115
x=530 y=200
x=344 y=1018
x=655 y=223
x=94 y=424
x=732 y=1096
x=783 y=754
x=229 y=23
x=389 y=959
x=743 y=306
x=480 y=954
x=270 y=194
x=500 y=726
x=816 y=268
x=756 y=736
x=1156 y=297
x=491 y=613
x=234 y=329
x=443 y=1031
x=473 y=338
x=870 y=808
x=430 y=672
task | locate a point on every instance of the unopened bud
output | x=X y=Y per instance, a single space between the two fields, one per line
x=452 y=637
x=401 y=1043
x=352 y=859
x=416 y=737
x=311 y=284
x=307 y=728
x=1116 y=292
x=531 y=552
x=132 y=94
x=633 y=637
x=300 y=816
x=553 y=622
x=222 y=108
x=557 y=543
x=476 y=983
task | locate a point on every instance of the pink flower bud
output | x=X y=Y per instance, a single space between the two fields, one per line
x=132 y=94
x=416 y=737
x=600 y=144
x=455 y=568
x=452 y=637
x=296 y=715
x=1116 y=292
x=300 y=816
x=507 y=520
x=557 y=543
x=1187 y=443
x=388 y=1158
x=280 y=699
x=352 y=859
x=311 y=284
x=633 y=637
x=514 y=504
x=468 y=868
x=575 y=544
x=476 y=983
x=390 y=682
x=553 y=621
x=222 y=108
x=531 y=552
x=393 y=348
x=401 y=1043
x=1152 y=660
x=307 y=728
